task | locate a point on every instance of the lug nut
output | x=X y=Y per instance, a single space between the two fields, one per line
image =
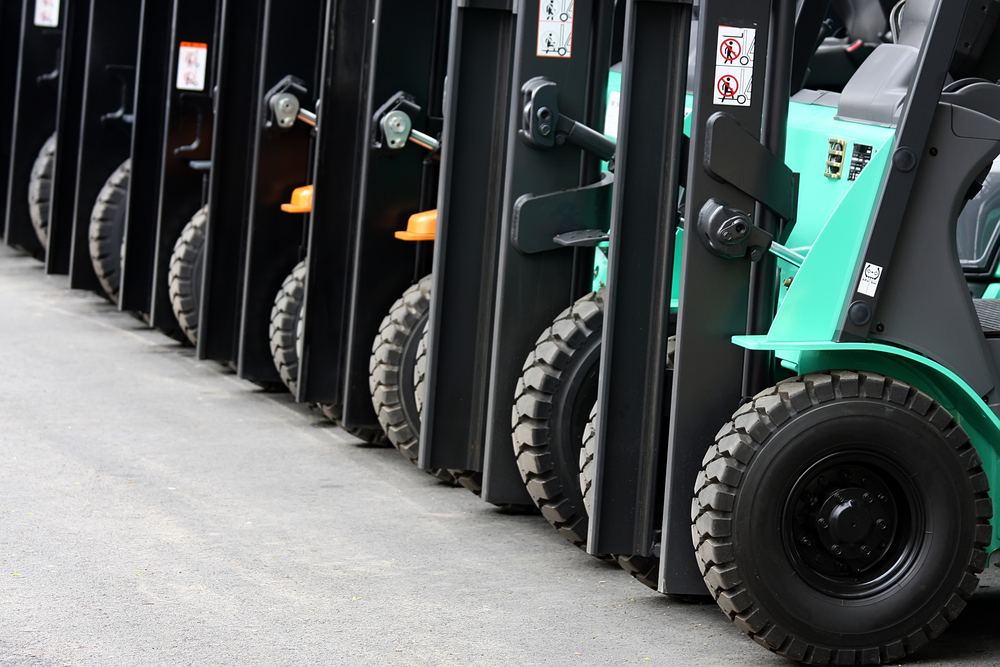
x=806 y=542
x=868 y=498
x=836 y=549
x=866 y=550
x=883 y=498
x=822 y=523
x=880 y=523
x=846 y=475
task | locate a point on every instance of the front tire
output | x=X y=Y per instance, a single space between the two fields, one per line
x=841 y=518
x=40 y=190
x=107 y=230
x=392 y=371
x=184 y=278
x=284 y=333
x=554 y=395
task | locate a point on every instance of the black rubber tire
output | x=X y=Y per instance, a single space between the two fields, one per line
x=392 y=371
x=420 y=374
x=40 y=190
x=470 y=479
x=771 y=468
x=554 y=395
x=283 y=331
x=185 y=274
x=370 y=435
x=645 y=569
x=107 y=229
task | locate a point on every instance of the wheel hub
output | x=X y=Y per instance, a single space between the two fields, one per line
x=845 y=520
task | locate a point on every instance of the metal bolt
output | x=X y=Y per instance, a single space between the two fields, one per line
x=868 y=498
x=881 y=545
x=841 y=566
x=544 y=129
x=882 y=498
x=822 y=523
x=866 y=550
x=836 y=549
x=806 y=542
x=880 y=523
x=846 y=475
x=787 y=283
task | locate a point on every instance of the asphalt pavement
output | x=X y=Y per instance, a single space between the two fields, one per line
x=157 y=510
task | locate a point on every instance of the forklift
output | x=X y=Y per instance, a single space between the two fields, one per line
x=843 y=513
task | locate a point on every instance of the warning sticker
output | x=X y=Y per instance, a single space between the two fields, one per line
x=555 y=29
x=47 y=13
x=734 y=66
x=192 y=64
x=869 y=279
x=611 y=117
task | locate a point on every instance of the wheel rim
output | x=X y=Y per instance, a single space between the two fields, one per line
x=853 y=524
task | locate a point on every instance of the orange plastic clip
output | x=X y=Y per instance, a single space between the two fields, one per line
x=302 y=200
x=420 y=227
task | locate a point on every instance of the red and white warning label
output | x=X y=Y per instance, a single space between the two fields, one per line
x=734 y=66
x=47 y=13
x=192 y=65
x=555 y=28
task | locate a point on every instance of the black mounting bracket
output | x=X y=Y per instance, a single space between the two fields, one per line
x=544 y=127
x=284 y=106
x=730 y=233
x=126 y=75
x=393 y=122
x=541 y=220
x=734 y=156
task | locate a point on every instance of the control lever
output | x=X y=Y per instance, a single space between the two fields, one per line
x=544 y=127
x=394 y=125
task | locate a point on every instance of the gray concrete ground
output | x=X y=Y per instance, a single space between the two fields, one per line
x=156 y=510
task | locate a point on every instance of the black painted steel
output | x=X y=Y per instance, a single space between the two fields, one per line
x=473 y=156
x=356 y=266
x=280 y=164
x=533 y=289
x=188 y=132
x=105 y=123
x=714 y=292
x=233 y=140
x=909 y=148
x=634 y=392
x=150 y=107
x=33 y=121
x=73 y=63
x=10 y=43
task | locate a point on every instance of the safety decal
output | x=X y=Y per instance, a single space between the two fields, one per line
x=192 y=64
x=47 y=13
x=869 y=279
x=734 y=66
x=555 y=29
x=611 y=117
